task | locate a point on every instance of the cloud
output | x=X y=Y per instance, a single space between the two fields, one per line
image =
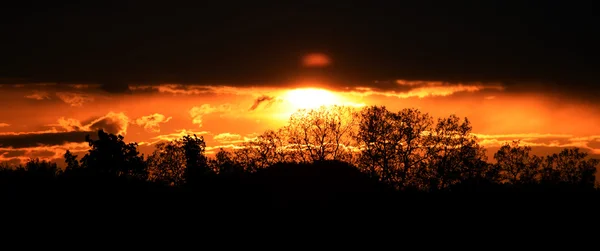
x=210 y=150
x=112 y=122
x=194 y=89
x=115 y=123
x=197 y=112
x=173 y=136
x=421 y=89
x=74 y=99
x=151 y=123
x=515 y=136
x=35 y=139
x=71 y=134
x=70 y=124
x=9 y=153
x=260 y=100
x=233 y=138
x=37 y=95
x=114 y=87
x=49 y=153
x=228 y=138
x=542 y=140
x=4 y=125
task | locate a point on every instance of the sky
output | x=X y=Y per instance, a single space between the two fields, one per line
x=525 y=70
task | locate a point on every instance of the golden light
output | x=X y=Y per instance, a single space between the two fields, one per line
x=310 y=98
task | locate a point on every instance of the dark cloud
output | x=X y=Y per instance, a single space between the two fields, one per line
x=12 y=153
x=42 y=154
x=115 y=87
x=42 y=139
x=259 y=101
x=552 y=42
x=594 y=144
x=115 y=123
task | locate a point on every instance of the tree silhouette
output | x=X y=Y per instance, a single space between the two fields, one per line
x=570 y=167
x=225 y=164
x=71 y=161
x=110 y=155
x=167 y=163
x=269 y=148
x=196 y=162
x=179 y=161
x=374 y=135
x=325 y=133
x=42 y=168
x=455 y=154
x=395 y=144
x=516 y=165
x=320 y=156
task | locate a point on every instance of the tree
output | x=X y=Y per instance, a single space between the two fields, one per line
x=394 y=145
x=325 y=133
x=570 y=167
x=196 y=162
x=516 y=165
x=71 y=161
x=375 y=130
x=167 y=163
x=110 y=155
x=179 y=161
x=42 y=168
x=455 y=153
x=270 y=148
x=224 y=163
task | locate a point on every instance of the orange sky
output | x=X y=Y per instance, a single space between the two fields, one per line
x=226 y=115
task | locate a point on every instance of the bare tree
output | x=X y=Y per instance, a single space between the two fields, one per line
x=270 y=148
x=322 y=134
x=393 y=144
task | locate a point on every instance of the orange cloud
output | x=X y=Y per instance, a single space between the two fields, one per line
x=422 y=89
x=541 y=140
x=4 y=125
x=211 y=150
x=151 y=123
x=197 y=112
x=232 y=138
x=173 y=136
x=70 y=124
x=112 y=122
x=74 y=99
x=190 y=89
x=38 y=95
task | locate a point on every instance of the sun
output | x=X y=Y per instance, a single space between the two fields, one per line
x=310 y=98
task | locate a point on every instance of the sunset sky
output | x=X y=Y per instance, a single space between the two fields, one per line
x=154 y=73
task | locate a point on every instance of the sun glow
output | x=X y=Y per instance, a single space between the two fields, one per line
x=310 y=98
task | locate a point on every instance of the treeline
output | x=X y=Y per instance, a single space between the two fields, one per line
x=406 y=150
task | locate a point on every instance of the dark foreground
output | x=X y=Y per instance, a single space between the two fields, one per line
x=275 y=190
x=293 y=207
